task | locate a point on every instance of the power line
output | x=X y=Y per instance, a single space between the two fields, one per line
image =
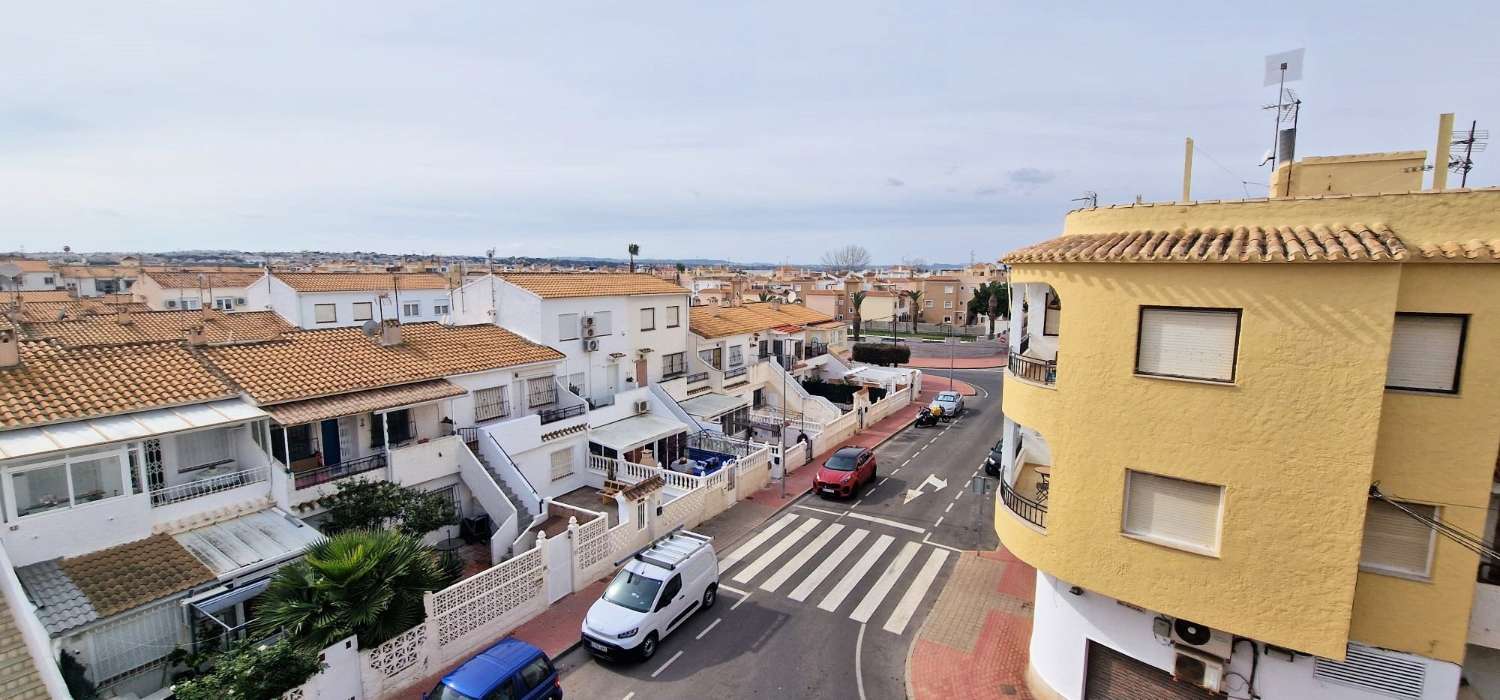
x=1462 y=537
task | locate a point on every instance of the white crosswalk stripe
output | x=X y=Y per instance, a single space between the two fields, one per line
x=755 y=542
x=877 y=593
x=907 y=607
x=797 y=562
x=851 y=579
x=812 y=581
x=775 y=552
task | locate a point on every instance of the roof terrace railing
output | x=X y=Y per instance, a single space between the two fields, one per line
x=1033 y=370
x=334 y=472
x=211 y=485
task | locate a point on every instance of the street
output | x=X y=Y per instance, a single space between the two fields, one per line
x=824 y=599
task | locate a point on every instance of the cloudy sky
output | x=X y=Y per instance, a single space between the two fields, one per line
x=762 y=131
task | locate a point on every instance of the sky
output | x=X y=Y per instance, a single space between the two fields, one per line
x=766 y=131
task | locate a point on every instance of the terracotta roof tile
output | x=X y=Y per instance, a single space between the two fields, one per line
x=717 y=322
x=54 y=383
x=359 y=281
x=53 y=310
x=1322 y=243
x=1461 y=251
x=189 y=280
x=297 y=412
x=562 y=285
x=45 y=295
x=28 y=265
x=309 y=364
x=153 y=326
x=133 y=574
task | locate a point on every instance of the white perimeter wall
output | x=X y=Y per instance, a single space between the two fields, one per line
x=1064 y=623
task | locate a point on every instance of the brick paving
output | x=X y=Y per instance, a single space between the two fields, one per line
x=974 y=642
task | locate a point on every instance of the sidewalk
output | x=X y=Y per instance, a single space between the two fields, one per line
x=975 y=641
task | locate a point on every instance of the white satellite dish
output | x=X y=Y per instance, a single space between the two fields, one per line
x=1284 y=67
x=370 y=327
x=10 y=270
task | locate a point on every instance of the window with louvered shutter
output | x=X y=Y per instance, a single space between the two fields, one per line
x=1174 y=512
x=490 y=404
x=562 y=463
x=1426 y=352
x=1396 y=543
x=1188 y=343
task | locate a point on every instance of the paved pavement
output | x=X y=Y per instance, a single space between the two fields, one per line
x=826 y=598
x=990 y=362
x=975 y=641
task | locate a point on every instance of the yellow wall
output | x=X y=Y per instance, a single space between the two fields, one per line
x=1365 y=173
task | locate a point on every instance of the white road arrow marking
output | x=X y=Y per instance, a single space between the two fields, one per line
x=937 y=485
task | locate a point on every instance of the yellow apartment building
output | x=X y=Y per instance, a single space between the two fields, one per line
x=1272 y=429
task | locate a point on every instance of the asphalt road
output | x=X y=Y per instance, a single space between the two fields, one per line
x=804 y=613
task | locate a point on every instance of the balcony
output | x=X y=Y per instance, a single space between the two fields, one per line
x=1034 y=370
x=697 y=378
x=322 y=475
x=1029 y=509
x=736 y=375
x=553 y=415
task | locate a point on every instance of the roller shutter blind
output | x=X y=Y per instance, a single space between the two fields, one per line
x=1174 y=511
x=1395 y=542
x=1425 y=352
x=1191 y=343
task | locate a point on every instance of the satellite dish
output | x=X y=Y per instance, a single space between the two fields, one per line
x=1267 y=157
x=10 y=270
x=370 y=327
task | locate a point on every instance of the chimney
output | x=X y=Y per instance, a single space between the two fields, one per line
x=123 y=317
x=390 y=334
x=775 y=303
x=195 y=335
x=1440 y=156
x=10 y=348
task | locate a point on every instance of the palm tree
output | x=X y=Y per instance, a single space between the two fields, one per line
x=765 y=295
x=367 y=583
x=916 y=307
x=681 y=268
x=857 y=300
x=634 y=249
x=993 y=308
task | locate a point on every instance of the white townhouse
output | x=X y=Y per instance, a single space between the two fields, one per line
x=186 y=291
x=30 y=276
x=340 y=299
x=619 y=331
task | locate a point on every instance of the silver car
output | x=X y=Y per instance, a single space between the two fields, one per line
x=951 y=402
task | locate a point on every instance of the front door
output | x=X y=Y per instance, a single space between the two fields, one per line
x=611 y=380
x=329 y=437
x=640 y=372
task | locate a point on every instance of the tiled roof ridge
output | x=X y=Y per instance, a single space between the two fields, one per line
x=1336 y=242
x=1495 y=189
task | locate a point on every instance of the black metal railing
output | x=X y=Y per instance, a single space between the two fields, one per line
x=733 y=372
x=1033 y=370
x=1029 y=510
x=812 y=350
x=333 y=472
x=553 y=415
x=697 y=377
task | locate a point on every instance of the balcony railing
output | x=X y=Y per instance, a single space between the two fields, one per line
x=1029 y=510
x=734 y=372
x=553 y=415
x=333 y=472
x=204 y=487
x=1033 y=370
x=697 y=378
x=812 y=350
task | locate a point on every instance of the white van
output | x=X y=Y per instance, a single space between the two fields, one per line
x=659 y=589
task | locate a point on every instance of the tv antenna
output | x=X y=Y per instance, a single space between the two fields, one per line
x=1462 y=149
x=1282 y=68
x=1089 y=196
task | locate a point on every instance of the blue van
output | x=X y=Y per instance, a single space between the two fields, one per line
x=510 y=670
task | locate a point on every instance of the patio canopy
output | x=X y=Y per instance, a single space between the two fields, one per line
x=249 y=541
x=635 y=431
x=712 y=405
x=356 y=402
x=131 y=426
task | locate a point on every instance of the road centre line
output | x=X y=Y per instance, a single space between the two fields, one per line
x=950 y=506
x=939 y=522
x=628 y=695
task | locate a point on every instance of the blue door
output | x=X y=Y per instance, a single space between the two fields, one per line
x=331 y=454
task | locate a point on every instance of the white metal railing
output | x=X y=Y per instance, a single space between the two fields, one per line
x=211 y=485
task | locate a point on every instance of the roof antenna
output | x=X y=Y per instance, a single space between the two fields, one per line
x=1089 y=196
x=1469 y=142
x=1282 y=68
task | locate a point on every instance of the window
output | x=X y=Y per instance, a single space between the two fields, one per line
x=440 y=308
x=602 y=323
x=674 y=316
x=1396 y=543
x=49 y=280
x=541 y=391
x=674 y=364
x=736 y=355
x=192 y=304
x=536 y=673
x=95 y=479
x=948 y=304
x=948 y=289
x=203 y=449
x=640 y=517
x=224 y=303
x=562 y=464
x=567 y=326
x=1173 y=512
x=931 y=303
x=1427 y=352
x=71 y=482
x=364 y=310
x=41 y=490
x=1189 y=343
x=325 y=313
x=648 y=319
x=670 y=591
x=490 y=404
x=298 y=437
x=411 y=308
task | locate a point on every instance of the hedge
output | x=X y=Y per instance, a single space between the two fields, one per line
x=887 y=354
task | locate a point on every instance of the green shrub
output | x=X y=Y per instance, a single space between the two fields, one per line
x=886 y=354
x=252 y=670
x=379 y=505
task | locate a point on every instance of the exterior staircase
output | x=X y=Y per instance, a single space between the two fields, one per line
x=19 y=678
x=521 y=506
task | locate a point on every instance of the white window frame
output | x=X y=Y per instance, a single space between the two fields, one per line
x=567 y=471
x=568 y=326
x=1458 y=359
x=736 y=355
x=1375 y=568
x=674 y=316
x=1234 y=361
x=224 y=303
x=947 y=289
x=1173 y=543
x=411 y=308
x=333 y=313
x=648 y=318
x=369 y=307
x=66 y=462
x=192 y=303
x=439 y=308
x=948 y=304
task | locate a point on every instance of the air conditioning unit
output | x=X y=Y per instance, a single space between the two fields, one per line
x=588 y=326
x=171 y=303
x=642 y=406
x=1198 y=670
x=591 y=345
x=1187 y=634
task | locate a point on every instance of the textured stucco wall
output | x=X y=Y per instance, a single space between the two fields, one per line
x=1293 y=441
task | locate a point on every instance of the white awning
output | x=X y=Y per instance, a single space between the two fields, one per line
x=249 y=541
x=712 y=405
x=878 y=376
x=132 y=426
x=635 y=431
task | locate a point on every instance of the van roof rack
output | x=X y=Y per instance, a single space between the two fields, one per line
x=670 y=550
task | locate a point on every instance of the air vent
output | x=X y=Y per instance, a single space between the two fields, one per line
x=1375 y=670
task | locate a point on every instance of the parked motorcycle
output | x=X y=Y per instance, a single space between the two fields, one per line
x=928 y=417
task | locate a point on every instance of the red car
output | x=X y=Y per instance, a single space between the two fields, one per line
x=845 y=472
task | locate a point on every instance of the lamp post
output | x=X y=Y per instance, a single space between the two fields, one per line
x=952 y=341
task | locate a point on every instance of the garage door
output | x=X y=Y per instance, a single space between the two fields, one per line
x=1115 y=676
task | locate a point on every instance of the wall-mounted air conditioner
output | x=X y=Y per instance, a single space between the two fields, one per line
x=642 y=406
x=1187 y=634
x=590 y=345
x=588 y=327
x=1200 y=670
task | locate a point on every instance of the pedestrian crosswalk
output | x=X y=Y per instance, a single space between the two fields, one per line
x=807 y=555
